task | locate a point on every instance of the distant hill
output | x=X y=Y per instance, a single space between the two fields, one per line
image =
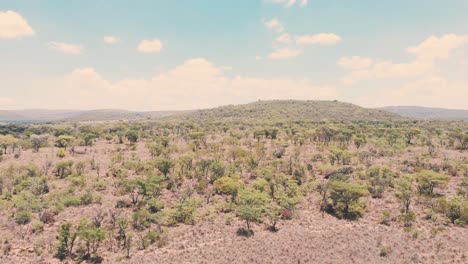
x=287 y=110
x=428 y=112
x=44 y=115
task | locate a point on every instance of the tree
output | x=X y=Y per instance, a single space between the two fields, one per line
x=345 y=197
x=428 y=180
x=251 y=204
x=380 y=178
x=132 y=136
x=404 y=193
x=92 y=236
x=64 y=168
x=67 y=240
x=64 y=141
x=89 y=139
x=164 y=165
x=411 y=134
x=38 y=141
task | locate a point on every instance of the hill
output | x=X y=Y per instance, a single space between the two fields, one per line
x=428 y=112
x=292 y=110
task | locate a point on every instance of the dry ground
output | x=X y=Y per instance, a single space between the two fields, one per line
x=311 y=237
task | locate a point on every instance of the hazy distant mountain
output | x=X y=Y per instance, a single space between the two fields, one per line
x=43 y=115
x=428 y=112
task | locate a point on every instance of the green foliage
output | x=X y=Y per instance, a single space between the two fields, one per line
x=428 y=180
x=132 y=136
x=251 y=204
x=456 y=209
x=185 y=210
x=217 y=170
x=404 y=193
x=345 y=197
x=64 y=141
x=63 y=168
x=154 y=205
x=23 y=217
x=61 y=153
x=164 y=165
x=66 y=241
x=39 y=141
x=379 y=178
x=141 y=219
x=226 y=185
x=92 y=237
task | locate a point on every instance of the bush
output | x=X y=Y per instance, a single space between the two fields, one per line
x=251 y=204
x=141 y=219
x=226 y=185
x=63 y=169
x=37 y=227
x=154 y=205
x=408 y=218
x=185 y=209
x=345 y=197
x=379 y=178
x=23 y=217
x=428 y=180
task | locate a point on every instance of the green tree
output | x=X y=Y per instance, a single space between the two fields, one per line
x=428 y=180
x=92 y=237
x=380 y=177
x=164 y=165
x=345 y=197
x=38 y=141
x=251 y=204
x=64 y=141
x=66 y=241
x=132 y=136
x=404 y=193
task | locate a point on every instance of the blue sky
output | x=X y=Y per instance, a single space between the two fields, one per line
x=207 y=53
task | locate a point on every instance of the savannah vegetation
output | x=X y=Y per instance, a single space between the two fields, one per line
x=104 y=191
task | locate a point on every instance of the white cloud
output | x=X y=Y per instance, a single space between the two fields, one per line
x=110 y=39
x=150 y=46
x=284 y=38
x=275 y=24
x=67 y=48
x=284 y=53
x=290 y=3
x=432 y=91
x=438 y=47
x=258 y=58
x=197 y=83
x=13 y=26
x=354 y=63
x=426 y=53
x=322 y=39
x=6 y=103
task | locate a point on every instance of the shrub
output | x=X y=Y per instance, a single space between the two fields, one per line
x=37 y=227
x=226 y=185
x=61 y=153
x=63 y=169
x=66 y=241
x=428 y=180
x=154 y=205
x=185 y=209
x=251 y=204
x=23 y=217
x=380 y=178
x=345 y=197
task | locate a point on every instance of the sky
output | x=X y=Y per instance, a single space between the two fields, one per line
x=173 y=55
